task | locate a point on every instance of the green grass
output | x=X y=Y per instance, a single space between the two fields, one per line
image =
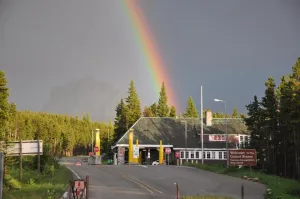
x=206 y=197
x=36 y=186
x=280 y=188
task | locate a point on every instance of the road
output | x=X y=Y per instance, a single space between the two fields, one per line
x=135 y=182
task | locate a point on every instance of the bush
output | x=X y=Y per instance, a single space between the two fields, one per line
x=11 y=183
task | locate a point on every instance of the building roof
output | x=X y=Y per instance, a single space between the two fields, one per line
x=150 y=130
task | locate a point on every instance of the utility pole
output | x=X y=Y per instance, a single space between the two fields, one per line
x=201 y=115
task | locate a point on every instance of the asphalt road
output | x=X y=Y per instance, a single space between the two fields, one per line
x=145 y=182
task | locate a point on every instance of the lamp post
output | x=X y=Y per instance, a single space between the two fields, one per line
x=185 y=135
x=223 y=101
x=201 y=117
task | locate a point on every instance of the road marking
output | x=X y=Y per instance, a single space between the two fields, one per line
x=141 y=185
x=150 y=187
x=74 y=173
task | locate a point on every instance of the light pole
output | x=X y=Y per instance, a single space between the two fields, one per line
x=185 y=134
x=201 y=117
x=223 y=101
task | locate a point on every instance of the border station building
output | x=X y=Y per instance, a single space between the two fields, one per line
x=183 y=136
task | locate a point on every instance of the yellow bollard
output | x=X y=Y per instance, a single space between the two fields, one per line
x=98 y=142
x=130 y=144
x=161 y=153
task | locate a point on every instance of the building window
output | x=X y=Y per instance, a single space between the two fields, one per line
x=220 y=155
x=208 y=155
x=192 y=154
x=186 y=155
x=181 y=154
x=204 y=155
x=225 y=155
x=197 y=154
x=213 y=155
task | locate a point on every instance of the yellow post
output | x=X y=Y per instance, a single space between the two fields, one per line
x=130 y=146
x=98 y=141
x=161 y=153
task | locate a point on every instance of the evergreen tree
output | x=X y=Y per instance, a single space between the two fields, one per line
x=162 y=107
x=173 y=111
x=191 y=110
x=121 y=120
x=235 y=113
x=133 y=105
x=270 y=107
x=153 y=108
x=4 y=107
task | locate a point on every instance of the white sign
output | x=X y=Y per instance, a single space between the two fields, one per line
x=136 y=151
x=79 y=184
x=121 y=154
x=222 y=138
x=29 y=147
x=148 y=154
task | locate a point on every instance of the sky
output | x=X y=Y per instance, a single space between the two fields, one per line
x=76 y=56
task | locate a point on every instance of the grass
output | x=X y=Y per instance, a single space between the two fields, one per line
x=279 y=188
x=34 y=186
x=206 y=197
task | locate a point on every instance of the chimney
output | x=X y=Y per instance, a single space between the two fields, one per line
x=208 y=118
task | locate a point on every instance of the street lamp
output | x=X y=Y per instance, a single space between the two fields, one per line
x=185 y=133
x=223 y=101
x=93 y=138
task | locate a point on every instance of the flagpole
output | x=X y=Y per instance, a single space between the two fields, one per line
x=201 y=117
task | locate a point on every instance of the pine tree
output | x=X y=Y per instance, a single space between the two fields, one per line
x=4 y=107
x=173 y=111
x=133 y=105
x=191 y=110
x=235 y=113
x=121 y=120
x=270 y=106
x=153 y=108
x=162 y=107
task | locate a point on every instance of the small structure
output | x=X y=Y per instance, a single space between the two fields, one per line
x=183 y=136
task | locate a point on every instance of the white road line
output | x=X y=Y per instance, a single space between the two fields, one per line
x=74 y=173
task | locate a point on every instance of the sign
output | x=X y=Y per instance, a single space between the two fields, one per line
x=242 y=157
x=79 y=184
x=91 y=154
x=121 y=155
x=222 y=138
x=96 y=149
x=148 y=154
x=136 y=151
x=168 y=151
x=177 y=154
x=29 y=147
x=78 y=163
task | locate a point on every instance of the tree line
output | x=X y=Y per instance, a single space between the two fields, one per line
x=274 y=125
x=62 y=134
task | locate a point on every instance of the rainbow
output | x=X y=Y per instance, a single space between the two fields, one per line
x=149 y=48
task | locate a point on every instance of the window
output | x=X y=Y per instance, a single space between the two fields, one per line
x=192 y=154
x=208 y=155
x=220 y=155
x=204 y=155
x=197 y=154
x=186 y=155
x=181 y=154
x=225 y=155
x=213 y=155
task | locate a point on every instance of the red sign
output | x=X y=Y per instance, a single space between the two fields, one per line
x=242 y=157
x=177 y=154
x=168 y=151
x=78 y=163
x=222 y=138
x=96 y=149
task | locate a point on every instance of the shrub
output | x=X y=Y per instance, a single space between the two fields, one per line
x=11 y=183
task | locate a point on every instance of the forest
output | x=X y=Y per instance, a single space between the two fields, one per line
x=274 y=124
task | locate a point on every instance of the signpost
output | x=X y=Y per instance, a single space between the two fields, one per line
x=168 y=151
x=79 y=188
x=136 y=151
x=177 y=154
x=96 y=149
x=242 y=157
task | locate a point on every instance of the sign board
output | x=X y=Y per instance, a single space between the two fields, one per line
x=96 y=149
x=242 y=157
x=177 y=154
x=78 y=163
x=222 y=138
x=168 y=151
x=121 y=155
x=136 y=151
x=91 y=154
x=79 y=184
x=148 y=154
x=29 y=147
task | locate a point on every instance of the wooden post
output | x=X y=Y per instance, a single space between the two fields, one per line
x=20 y=171
x=177 y=190
x=39 y=158
x=87 y=183
x=242 y=191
